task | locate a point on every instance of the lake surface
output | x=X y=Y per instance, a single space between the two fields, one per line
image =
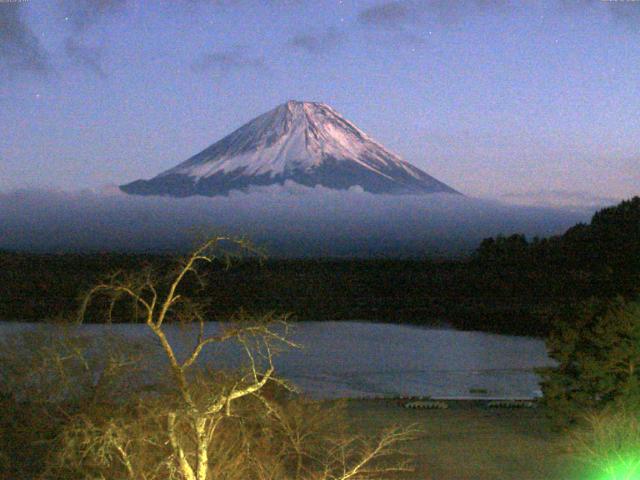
x=362 y=359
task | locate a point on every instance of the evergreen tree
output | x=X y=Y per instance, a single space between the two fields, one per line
x=598 y=353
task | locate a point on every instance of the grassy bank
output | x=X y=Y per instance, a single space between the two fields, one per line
x=474 y=443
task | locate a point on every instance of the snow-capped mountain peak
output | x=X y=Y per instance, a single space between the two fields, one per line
x=307 y=142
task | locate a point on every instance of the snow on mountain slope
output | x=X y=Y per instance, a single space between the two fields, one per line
x=308 y=143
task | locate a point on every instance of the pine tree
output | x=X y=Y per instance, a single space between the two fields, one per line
x=598 y=354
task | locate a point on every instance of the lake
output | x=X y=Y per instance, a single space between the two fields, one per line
x=365 y=359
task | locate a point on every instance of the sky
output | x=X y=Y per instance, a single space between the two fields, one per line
x=495 y=98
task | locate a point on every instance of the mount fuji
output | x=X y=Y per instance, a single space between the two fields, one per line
x=304 y=142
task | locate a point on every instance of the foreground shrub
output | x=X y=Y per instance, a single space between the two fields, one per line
x=50 y=374
x=609 y=441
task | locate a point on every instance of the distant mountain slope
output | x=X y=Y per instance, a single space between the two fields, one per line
x=307 y=143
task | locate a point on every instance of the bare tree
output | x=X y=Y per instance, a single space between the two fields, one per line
x=181 y=447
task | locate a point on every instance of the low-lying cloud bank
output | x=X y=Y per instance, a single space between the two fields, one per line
x=564 y=199
x=290 y=221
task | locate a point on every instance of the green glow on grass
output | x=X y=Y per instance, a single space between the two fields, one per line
x=627 y=468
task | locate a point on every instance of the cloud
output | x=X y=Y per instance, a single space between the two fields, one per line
x=226 y=61
x=401 y=14
x=89 y=57
x=289 y=221
x=392 y=14
x=559 y=198
x=626 y=13
x=400 y=19
x=20 y=49
x=83 y=14
x=316 y=43
x=623 y=12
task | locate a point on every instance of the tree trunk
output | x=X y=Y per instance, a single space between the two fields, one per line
x=185 y=468
x=203 y=448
